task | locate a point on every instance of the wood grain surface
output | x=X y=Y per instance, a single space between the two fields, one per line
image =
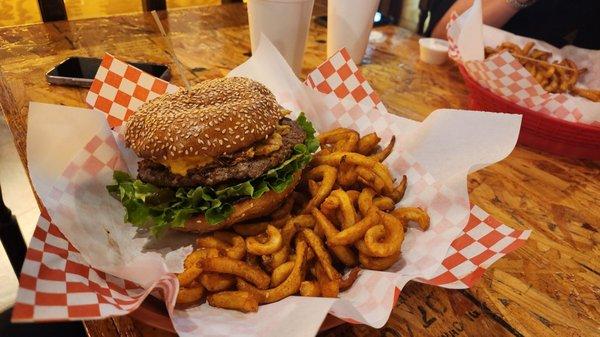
x=550 y=287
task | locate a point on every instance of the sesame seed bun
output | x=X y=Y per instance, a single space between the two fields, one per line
x=216 y=117
x=246 y=209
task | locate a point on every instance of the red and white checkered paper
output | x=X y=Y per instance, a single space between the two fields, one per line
x=506 y=77
x=119 y=89
x=58 y=284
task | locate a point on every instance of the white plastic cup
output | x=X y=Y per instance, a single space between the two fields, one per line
x=285 y=23
x=349 y=24
x=433 y=51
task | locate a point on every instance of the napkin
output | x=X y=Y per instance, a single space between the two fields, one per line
x=505 y=76
x=84 y=262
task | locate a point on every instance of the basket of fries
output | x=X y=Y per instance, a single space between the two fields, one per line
x=538 y=130
x=553 y=89
x=369 y=211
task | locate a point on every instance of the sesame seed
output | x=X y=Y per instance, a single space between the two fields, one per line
x=163 y=127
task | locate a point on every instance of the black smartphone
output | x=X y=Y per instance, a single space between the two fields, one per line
x=80 y=71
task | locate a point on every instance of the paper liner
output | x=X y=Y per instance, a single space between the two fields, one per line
x=119 y=89
x=58 y=283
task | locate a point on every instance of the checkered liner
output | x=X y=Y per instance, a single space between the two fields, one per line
x=483 y=241
x=506 y=77
x=453 y=52
x=58 y=284
x=119 y=89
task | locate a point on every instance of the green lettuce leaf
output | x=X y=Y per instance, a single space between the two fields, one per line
x=159 y=209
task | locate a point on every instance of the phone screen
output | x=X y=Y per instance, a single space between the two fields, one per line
x=78 y=67
x=86 y=68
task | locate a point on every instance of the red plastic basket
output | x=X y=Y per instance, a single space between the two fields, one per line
x=539 y=130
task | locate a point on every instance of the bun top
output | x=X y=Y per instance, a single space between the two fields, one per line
x=216 y=117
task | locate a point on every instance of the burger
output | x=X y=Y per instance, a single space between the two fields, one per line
x=218 y=154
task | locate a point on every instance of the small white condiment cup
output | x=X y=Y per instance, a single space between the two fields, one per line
x=433 y=51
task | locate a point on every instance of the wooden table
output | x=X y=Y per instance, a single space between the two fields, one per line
x=551 y=287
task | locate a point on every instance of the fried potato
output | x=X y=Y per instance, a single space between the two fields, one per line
x=331 y=213
x=383 y=154
x=592 y=95
x=343 y=253
x=334 y=159
x=345 y=207
x=398 y=192
x=365 y=200
x=384 y=203
x=189 y=295
x=327 y=174
x=237 y=245
x=331 y=203
x=189 y=275
x=209 y=241
x=378 y=263
x=346 y=174
x=310 y=289
x=313 y=187
x=321 y=252
x=241 y=284
x=216 y=282
x=329 y=287
x=527 y=47
x=239 y=300
x=190 y=264
x=368 y=143
x=348 y=143
x=287 y=233
x=291 y=285
x=362 y=248
x=353 y=195
x=280 y=273
x=199 y=254
x=226 y=265
x=272 y=244
x=385 y=240
x=303 y=221
x=382 y=172
x=281 y=256
x=369 y=178
x=356 y=232
x=415 y=214
x=333 y=136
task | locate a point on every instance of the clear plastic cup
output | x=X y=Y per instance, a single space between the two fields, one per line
x=285 y=23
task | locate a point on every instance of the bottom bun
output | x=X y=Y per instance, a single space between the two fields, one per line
x=244 y=210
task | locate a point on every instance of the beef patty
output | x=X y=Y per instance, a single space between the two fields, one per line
x=225 y=169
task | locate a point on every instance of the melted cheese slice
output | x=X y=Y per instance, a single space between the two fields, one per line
x=182 y=165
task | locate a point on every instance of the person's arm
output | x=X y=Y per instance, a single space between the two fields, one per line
x=495 y=13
